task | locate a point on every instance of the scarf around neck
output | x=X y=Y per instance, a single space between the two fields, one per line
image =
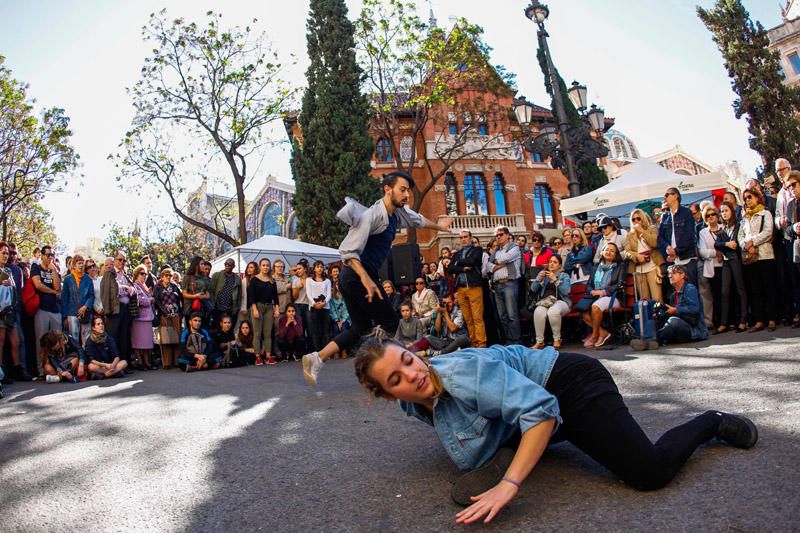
x=98 y=338
x=753 y=211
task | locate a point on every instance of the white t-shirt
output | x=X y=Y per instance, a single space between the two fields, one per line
x=314 y=289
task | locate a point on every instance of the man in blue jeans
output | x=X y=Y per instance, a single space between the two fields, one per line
x=505 y=264
x=685 y=322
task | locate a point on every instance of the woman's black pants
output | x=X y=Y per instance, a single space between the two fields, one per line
x=362 y=312
x=762 y=293
x=597 y=422
x=319 y=326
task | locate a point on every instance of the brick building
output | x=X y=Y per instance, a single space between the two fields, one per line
x=496 y=184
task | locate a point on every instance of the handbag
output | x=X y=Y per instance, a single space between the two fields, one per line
x=197 y=304
x=546 y=302
x=30 y=298
x=133 y=304
x=168 y=335
x=748 y=258
x=584 y=304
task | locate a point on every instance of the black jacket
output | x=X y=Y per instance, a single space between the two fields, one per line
x=727 y=253
x=469 y=262
x=616 y=283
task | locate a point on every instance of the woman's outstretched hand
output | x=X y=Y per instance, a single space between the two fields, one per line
x=489 y=502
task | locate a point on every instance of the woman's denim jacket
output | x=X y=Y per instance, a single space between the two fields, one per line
x=491 y=393
x=538 y=287
x=70 y=293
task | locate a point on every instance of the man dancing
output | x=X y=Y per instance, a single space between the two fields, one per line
x=365 y=248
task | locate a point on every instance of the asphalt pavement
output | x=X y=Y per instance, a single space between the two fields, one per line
x=255 y=449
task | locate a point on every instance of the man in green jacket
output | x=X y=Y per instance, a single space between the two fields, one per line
x=226 y=292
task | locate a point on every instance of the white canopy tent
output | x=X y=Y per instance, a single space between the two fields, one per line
x=641 y=181
x=274 y=247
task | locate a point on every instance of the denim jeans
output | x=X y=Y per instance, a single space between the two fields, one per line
x=675 y=330
x=506 y=301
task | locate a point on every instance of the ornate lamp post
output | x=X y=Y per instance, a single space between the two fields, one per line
x=574 y=144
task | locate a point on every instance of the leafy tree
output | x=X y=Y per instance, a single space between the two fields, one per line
x=590 y=175
x=333 y=156
x=173 y=244
x=421 y=78
x=35 y=152
x=203 y=102
x=770 y=106
x=30 y=226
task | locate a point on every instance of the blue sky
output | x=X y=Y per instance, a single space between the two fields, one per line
x=651 y=64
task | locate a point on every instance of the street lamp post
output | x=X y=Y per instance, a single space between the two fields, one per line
x=538 y=13
x=574 y=144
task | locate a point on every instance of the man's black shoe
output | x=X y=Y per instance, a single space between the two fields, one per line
x=7 y=380
x=20 y=374
x=482 y=479
x=128 y=371
x=737 y=430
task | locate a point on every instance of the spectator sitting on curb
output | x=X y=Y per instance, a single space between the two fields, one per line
x=410 y=328
x=197 y=349
x=61 y=356
x=100 y=355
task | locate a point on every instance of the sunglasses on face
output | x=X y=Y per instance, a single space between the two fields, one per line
x=669 y=194
x=49 y=255
x=577 y=235
x=558 y=243
x=419 y=283
x=536 y=240
x=791 y=184
x=711 y=215
x=748 y=197
x=636 y=219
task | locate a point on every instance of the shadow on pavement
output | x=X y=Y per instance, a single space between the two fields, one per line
x=255 y=449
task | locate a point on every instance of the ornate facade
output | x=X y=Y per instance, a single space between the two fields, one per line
x=785 y=38
x=489 y=181
x=270 y=212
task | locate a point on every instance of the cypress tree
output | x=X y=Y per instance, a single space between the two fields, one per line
x=333 y=159
x=756 y=77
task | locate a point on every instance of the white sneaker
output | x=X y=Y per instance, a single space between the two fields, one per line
x=312 y=364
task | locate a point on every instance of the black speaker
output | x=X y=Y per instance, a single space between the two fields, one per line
x=385 y=272
x=406 y=264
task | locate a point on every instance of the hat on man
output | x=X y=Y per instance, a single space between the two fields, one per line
x=603 y=221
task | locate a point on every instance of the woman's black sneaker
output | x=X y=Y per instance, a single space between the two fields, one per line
x=482 y=479
x=737 y=430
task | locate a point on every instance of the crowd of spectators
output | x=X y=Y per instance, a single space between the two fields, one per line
x=709 y=267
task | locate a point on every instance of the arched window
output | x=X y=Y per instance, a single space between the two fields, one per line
x=634 y=151
x=543 y=206
x=292 y=232
x=450 y=194
x=384 y=150
x=499 y=195
x=475 y=195
x=620 y=150
x=269 y=222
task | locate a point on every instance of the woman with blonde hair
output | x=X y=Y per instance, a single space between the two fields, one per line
x=579 y=259
x=644 y=258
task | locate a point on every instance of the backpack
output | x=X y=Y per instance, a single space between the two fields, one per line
x=30 y=298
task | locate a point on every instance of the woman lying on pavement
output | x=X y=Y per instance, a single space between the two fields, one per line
x=496 y=409
x=100 y=354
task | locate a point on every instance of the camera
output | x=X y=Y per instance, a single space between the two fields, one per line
x=319 y=299
x=660 y=312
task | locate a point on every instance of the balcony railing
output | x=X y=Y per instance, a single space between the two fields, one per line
x=487 y=223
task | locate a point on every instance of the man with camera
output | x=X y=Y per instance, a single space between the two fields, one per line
x=681 y=318
x=449 y=332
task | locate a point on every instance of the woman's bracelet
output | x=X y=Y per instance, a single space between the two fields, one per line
x=512 y=482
